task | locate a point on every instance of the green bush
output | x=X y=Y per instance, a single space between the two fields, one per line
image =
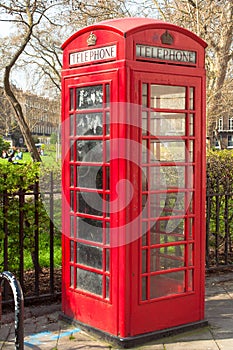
x=14 y=179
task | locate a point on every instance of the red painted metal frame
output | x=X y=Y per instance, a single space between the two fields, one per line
x=123 y=313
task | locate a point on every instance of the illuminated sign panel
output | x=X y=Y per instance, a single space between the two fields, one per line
x=165 y=54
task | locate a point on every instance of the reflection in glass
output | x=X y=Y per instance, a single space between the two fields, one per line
x=89 y=281
x=107 y=123
x=89 y=97
x=89 y=150
x=166 y=258
x=90 y=230
x=168 y=97
x=167 y=124
x=89 y=124
x=168 y=151
x=167 y=284
x=89 y=255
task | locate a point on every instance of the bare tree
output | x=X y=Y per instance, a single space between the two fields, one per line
x=26 y=15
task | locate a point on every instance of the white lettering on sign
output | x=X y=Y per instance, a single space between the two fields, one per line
x=98 y=54
x=166 y=54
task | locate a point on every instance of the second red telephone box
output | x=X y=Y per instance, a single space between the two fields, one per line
x=133 y=139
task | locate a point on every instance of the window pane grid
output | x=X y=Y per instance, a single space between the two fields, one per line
x=167 y=158
x=90 y=194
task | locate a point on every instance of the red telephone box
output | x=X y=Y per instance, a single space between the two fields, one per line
x=133 y=139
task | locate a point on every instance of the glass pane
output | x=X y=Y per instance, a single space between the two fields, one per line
x=89 y=97
x=90 y=177
x=167 y=124
x=190 y=228
x=71 y=99
x=167 y=231
x=107 y=260
x=89 y=255
x=107 y=287
x=89 y=151
x=166 y=258
x=107 y=93
x=144 y=261
x=72 y=276
x=191 y=124
x=144 y=151
x=190 y=280
x=107 y=206
x=144 y=234
x=90 y=230
x=190 y=256
x=172 y=151
x=167 y=284
x=72 y=251
x=89 y=124
x=144 y=288
x=71 y=226
x=71 y=150
x=191 y=155
x=172 y=204
x=71 y=175
x=144 y=94
x=72 y=125
x=107 y=233
x=107 y=123
x=72 y=200
x=89 y=203
x=191 y=98
x=168 y=97
x=89 y=281
x=168 y=177
x=144 y=123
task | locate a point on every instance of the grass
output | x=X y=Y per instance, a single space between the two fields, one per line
x=49 y=159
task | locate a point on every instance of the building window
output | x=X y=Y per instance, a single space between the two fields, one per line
x=220 y=124
x=230 y=141
x=230 y=123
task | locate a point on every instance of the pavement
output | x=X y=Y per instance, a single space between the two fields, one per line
x=45 y=330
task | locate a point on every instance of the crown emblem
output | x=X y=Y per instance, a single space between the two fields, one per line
x=167 y=38
x=91 y=39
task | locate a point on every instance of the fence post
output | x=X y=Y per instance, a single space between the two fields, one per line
x=19 y=307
